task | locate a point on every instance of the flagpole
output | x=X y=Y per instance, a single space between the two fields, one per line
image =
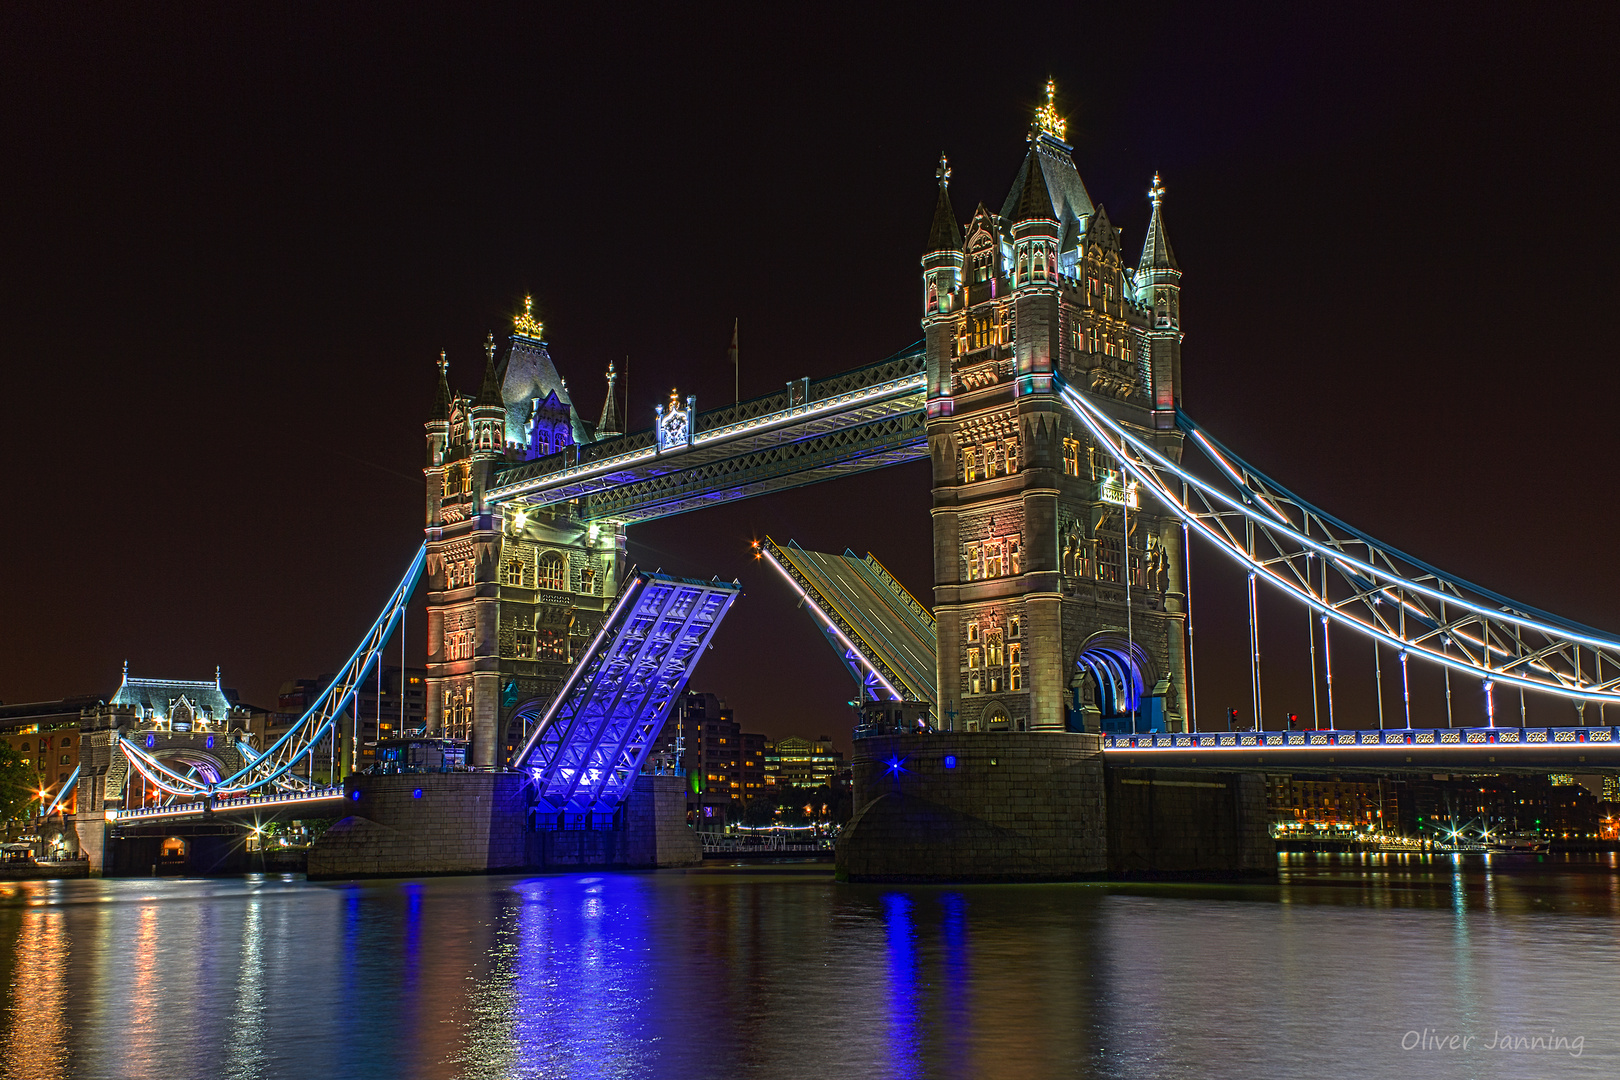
x=736 y=365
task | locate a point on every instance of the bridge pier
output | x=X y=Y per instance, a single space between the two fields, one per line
x=474 y=823
x=92 y=832
x=1042 y=806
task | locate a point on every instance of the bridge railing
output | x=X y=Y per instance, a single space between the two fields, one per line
x=243 y=802
x=1529 y=737
x=798 y=395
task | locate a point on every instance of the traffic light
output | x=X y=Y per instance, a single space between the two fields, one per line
x=1293 y=721
x=1231 y=720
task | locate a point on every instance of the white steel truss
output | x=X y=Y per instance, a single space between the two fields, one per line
x=1373 y=588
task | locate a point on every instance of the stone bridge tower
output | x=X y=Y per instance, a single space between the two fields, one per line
x=514 y=594
x=1059 y=600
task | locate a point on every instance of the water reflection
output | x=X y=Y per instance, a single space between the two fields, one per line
x=779 y=972
x=35 y=1038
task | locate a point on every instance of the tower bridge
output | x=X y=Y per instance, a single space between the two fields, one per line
x=1036 y=717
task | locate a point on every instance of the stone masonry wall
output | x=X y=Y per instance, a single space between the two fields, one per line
x=463 y=823
x=1182 y=823
x=473 y=823
x=1042 y=806
x=1015 y=806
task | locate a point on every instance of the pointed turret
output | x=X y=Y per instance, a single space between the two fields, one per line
x=942 y=281
x=609 y=424
x=441 y=404
x=1158 y=287
x=946 y=234
x=490 y=393
x=1156 y=253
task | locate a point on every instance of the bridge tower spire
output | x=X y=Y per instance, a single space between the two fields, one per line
x=1158 y=288
x=1058 y=604
x=609 y=423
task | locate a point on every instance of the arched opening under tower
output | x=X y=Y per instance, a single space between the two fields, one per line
x=1116 y=676
x=520 y=723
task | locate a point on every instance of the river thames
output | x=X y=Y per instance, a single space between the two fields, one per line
x=1365 y=966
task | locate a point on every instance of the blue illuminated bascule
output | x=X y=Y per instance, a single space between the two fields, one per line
x=1034 y=720
x=591 y=743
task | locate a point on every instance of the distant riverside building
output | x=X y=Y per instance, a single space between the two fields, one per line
x=45 y=735
x=1325 y=802
x=1549 y=807
x=724 y=765
x=380 y=716
x=799 y=762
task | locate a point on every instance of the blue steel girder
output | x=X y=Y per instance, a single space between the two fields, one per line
x=594 y=737
x=813 y=430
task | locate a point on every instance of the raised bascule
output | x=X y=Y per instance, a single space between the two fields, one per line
x=1035 y=720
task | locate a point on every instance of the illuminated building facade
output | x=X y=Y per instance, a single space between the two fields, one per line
x=1059 y=602
x=804 y=763
x=399 y=707
x=724 y=765
x=513 y=594
x=45 y=737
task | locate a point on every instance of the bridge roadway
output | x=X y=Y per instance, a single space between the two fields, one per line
x=1480 y=750
x=327 y=800
x=1391 y=750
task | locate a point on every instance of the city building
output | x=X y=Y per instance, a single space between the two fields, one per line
x=1325 y=802
x=724 y=765
x=400 y=708
x=45 y=737
x=803 y=763
x=1547 y=807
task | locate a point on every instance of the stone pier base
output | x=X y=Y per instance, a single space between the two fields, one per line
x=92 y=832
x=976 y=807
x=474 y=823
x=1014 y=806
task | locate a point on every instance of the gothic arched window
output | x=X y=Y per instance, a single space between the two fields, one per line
x=552 y=569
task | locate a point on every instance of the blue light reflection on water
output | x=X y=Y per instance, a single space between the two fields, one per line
x=904 y=987
x=782 y=973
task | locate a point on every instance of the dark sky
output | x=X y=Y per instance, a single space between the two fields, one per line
x=235 y=238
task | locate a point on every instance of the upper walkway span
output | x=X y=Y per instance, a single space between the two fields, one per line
x=814 y=429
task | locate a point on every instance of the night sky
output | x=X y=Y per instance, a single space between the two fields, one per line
x=235 y=238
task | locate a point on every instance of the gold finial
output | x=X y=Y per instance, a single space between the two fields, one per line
x=526 y=324
x=444 y=363
x=1046 y=117
x=1156 y=192
x=489 y=347
x=674 y=398
x=943 y=173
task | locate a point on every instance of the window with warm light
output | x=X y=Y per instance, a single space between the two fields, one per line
x=552 y=571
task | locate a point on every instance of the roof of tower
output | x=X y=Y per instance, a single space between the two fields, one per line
x=157 y=697
x=1034 y=198
x=525 y=374
x=1156 y=253
x=490 y=393
x=946 y=233
x=441 y=403
x=1065 y=190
